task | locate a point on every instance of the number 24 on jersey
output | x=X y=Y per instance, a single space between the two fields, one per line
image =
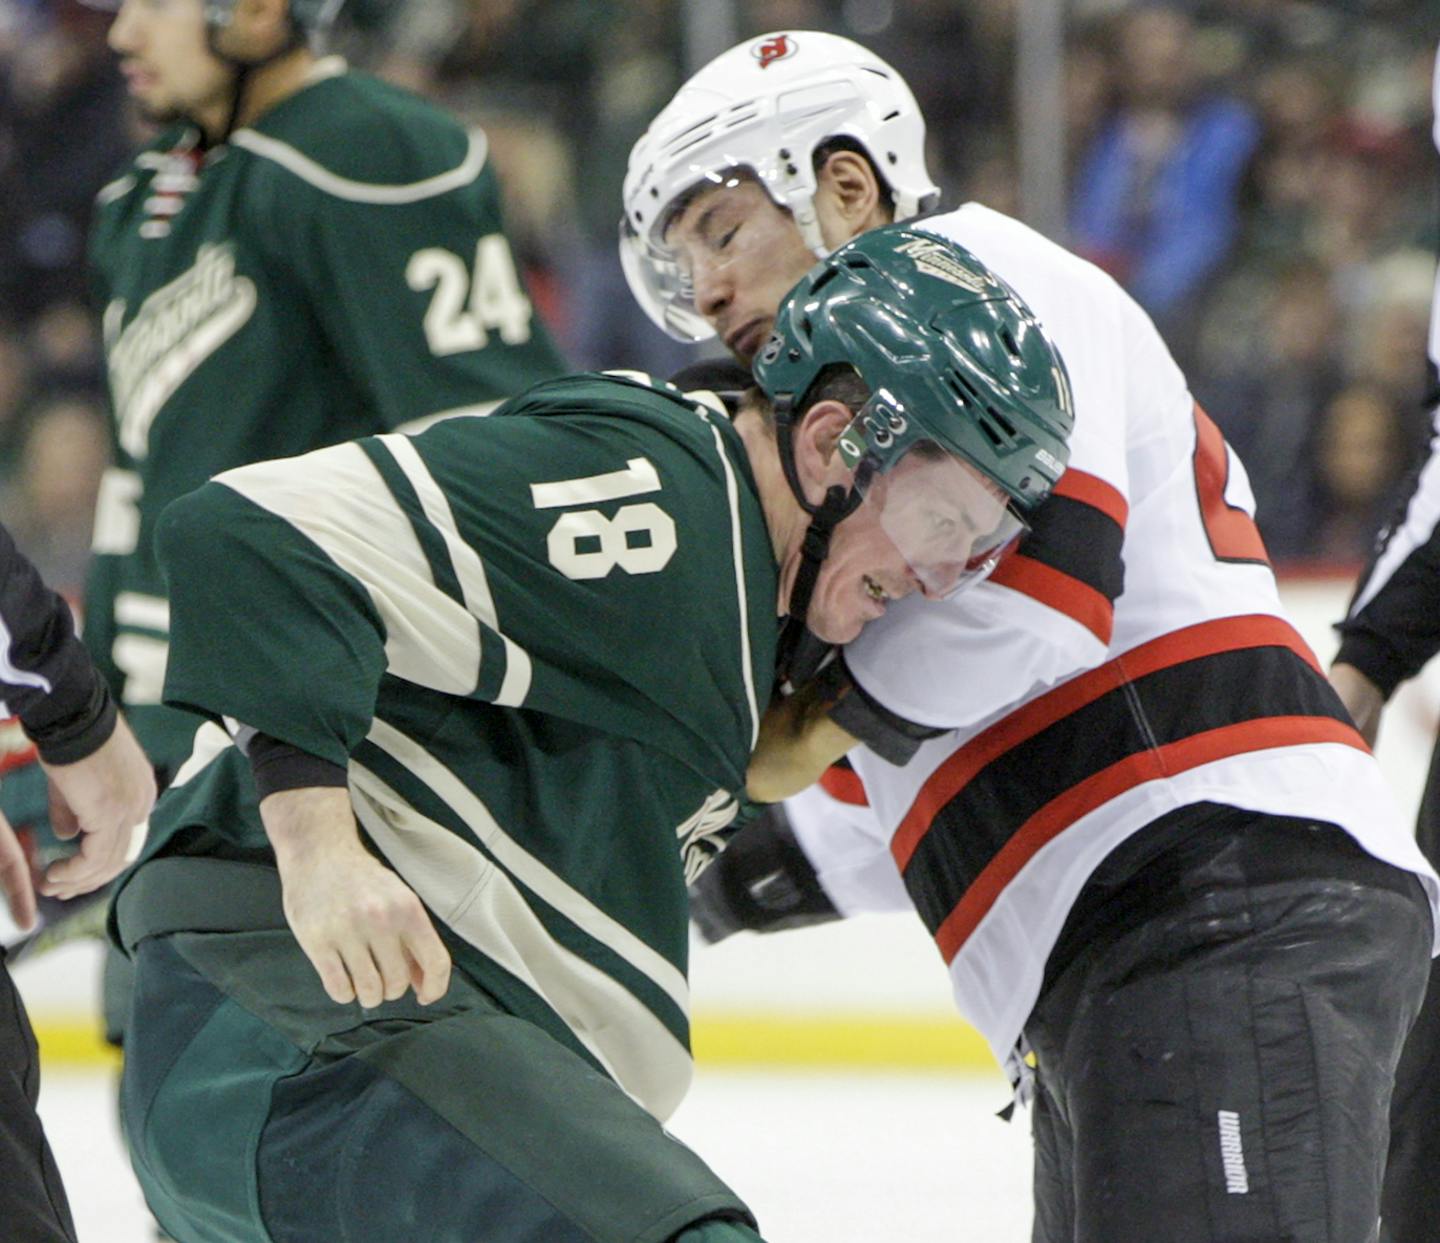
x=467 y=305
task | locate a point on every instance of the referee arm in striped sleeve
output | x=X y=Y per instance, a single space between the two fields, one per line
x=1392 y=627
x=92 y=759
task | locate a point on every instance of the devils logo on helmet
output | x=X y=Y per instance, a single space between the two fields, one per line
x=771 y=50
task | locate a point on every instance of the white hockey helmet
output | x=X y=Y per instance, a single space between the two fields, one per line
x=765 y=106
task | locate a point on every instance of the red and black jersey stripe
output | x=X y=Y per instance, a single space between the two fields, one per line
x=1200 y=694
x=1070 y=559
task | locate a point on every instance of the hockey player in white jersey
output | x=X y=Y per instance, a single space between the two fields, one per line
x=1149 y=842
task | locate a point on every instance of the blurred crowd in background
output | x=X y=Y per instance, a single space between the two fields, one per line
x=1259 y=173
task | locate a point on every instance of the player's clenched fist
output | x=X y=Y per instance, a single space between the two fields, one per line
x=365 y=932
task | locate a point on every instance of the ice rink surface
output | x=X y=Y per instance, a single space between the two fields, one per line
x=819 y=1156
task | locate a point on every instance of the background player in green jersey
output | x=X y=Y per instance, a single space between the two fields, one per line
x=304 y=255
x=481 y=703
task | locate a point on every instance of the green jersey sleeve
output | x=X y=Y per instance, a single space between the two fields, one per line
x=260 y=609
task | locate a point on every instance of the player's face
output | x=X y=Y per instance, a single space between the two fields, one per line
x=166 y=60
x=742 y=255
x=863 y=572
x=931 y=524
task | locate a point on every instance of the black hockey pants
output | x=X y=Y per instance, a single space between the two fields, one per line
x=1410 y=1205
x=1216 y=1065
x=33 y=1208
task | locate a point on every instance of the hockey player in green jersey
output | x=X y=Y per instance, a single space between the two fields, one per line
x=481 y=702
x=304 y=255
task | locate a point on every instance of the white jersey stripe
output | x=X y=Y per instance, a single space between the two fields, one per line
x=487 y=910
x=116 y=189
x=732 y=496
x=469 y=569
x=578 y=909
x=358 y=191
x=431 y=639
x=210 y=742
x=148 y=612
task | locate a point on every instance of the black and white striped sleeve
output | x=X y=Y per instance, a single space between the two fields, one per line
x=46 y=677
x=1393 y=624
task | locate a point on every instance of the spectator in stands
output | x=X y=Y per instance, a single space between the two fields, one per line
x=1156 y=199
x=62 y=131
x=1358 y=459
x=50 y=503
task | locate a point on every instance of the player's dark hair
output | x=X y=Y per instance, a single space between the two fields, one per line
x=837 y=382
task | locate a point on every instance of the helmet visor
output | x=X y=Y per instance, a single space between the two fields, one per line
x=948 y=521
x=722 y=239
x=655 y=279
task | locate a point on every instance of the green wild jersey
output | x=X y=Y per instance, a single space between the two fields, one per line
x=338 y=269
x=541 y=641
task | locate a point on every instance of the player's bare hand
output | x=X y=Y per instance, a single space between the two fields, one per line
x=1362 y=698
x=15 y=883
x=365 y=932
x=797 y=743
x=102 y=799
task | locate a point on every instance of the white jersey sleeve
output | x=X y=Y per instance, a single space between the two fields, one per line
x=1047 y=613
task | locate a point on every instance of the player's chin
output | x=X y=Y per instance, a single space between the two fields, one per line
x=158 y=111
x=836 y=626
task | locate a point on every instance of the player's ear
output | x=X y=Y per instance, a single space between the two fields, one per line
x=847 y=197
x=814 y=439
x=263 y=22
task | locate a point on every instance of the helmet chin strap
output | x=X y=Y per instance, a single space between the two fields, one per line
x=244 y=69
x=807 y=220
x=801 y=649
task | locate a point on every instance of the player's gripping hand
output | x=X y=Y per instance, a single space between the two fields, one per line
x=365 y=932
x=15 y=884
x=101 y=799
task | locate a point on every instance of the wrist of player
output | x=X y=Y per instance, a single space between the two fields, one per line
x=310 y=823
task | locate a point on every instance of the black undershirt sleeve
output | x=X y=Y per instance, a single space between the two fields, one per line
x=280 y=766
x=890 y=736
x=1397 y=630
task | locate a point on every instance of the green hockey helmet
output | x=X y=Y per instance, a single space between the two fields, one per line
x=311 y=17
x=966 y=429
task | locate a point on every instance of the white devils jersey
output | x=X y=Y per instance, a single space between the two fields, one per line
x=1130 y=658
